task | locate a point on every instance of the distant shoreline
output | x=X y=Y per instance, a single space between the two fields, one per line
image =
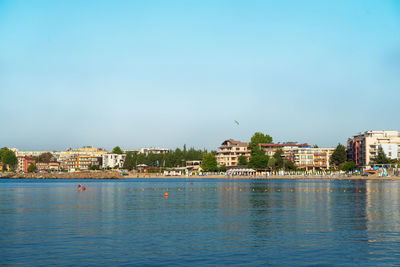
x=289 y=177
x=114 y=175
x=74 y=175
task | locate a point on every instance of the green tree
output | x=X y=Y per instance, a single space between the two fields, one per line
x=347 y=166
x=242 y=161
x=46 y=157
x=339 y=156
x=117 y=150
x=259 y=160
x=381 y=157
x=258 y=138
x=271 y=163
x=130 y=161
x=289 y=165
x=93 y=167
x=8 y=157
x=209 y=162
x=222 y=168
x=279 y=159
x=169 y=159
x=31 y=168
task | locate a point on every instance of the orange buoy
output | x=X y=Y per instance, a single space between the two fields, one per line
x=191 y=182
x=165 y=194
x=83 y=188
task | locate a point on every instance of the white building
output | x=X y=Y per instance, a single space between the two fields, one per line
x=364 y=147
x=19 y=153
x=112 y=160
x=154 y=150
x=391 y=150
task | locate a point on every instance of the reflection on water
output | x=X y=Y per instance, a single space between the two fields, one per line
x=210 y=222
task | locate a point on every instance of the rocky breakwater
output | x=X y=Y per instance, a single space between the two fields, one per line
x=69 y=175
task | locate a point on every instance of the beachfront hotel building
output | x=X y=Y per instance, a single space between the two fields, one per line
x=229 y=152
x=113 y=160
x=78 y=162
x=363 y=147
x=312 y=158
x=302 y=155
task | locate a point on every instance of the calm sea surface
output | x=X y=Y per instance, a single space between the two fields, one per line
x=209 y=222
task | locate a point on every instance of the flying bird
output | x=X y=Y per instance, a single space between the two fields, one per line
x=236 y=122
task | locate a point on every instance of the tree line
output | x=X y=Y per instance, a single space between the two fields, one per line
x=172 y=158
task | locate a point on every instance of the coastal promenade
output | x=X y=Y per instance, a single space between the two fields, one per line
x=278 y=177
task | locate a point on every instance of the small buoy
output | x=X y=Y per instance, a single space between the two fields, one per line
x=165 y=194
x=191 y=182
x=83 y=188
x=79 y=186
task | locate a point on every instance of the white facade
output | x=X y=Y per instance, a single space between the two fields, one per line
x=30 y=153
x=112 y=160
x=154 y=150
x=310 y=157
x=391 y=150
x=364 y=147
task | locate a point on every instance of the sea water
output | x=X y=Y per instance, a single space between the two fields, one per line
x=201 y=222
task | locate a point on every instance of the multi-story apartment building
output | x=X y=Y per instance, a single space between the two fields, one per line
x=312 y=158
x=63 y=156
x=24 y=162
x=229 y=152
x=113 y=160
x=302 y=155
x=83 y=162
x=363 y=147
x=287 y=148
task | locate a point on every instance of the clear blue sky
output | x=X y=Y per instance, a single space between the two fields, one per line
x=168 y=73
